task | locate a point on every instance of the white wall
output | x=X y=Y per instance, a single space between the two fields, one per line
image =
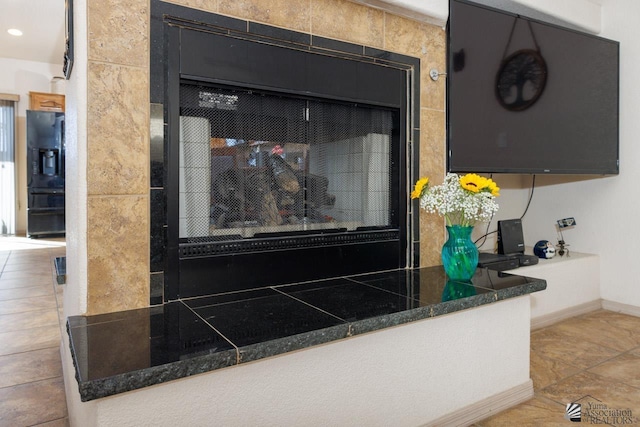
x=603 y=207
x=21 y=77
x=75 y=293
x=75 y=290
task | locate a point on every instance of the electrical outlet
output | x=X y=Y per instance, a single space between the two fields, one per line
x=566 y=222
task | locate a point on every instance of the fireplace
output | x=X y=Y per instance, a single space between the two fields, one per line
x=285 y=157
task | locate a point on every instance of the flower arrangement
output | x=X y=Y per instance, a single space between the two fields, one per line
x=461 y=200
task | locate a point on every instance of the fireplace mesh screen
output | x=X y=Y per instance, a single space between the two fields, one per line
x=255 y=164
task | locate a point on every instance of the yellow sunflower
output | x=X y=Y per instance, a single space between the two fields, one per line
x=419 y=188
x=473 y=182
x=493 y=188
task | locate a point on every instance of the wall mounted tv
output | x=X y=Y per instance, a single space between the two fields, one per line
x=524 y=96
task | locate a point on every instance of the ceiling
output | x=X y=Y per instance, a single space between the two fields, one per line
x=43 y=26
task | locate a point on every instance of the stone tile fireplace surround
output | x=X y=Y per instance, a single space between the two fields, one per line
x=119 y=153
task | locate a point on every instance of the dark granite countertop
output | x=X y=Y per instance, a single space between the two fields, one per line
x=118 y=352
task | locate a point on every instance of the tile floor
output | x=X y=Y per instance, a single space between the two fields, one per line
x=593 y=359
x=31 y=385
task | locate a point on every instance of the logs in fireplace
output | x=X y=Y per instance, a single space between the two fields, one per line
x=271 y=196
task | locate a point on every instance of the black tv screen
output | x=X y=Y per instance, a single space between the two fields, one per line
x=529 y=97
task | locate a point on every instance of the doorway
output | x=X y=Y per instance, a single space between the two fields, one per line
x=7 y=167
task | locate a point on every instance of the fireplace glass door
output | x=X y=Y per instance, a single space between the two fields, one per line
x=256 y=165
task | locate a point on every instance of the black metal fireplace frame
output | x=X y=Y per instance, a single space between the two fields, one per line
x=186 y=49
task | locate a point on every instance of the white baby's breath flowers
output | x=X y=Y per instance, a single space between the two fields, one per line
x=462 y=201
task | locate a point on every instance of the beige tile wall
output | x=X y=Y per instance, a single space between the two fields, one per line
x=118 y=122
x=117 y=155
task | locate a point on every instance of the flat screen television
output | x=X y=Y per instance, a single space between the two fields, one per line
x=529 y=97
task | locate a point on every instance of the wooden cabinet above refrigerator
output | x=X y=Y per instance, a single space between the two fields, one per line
x=41 y=101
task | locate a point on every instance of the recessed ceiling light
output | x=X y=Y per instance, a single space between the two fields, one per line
x=14 y=32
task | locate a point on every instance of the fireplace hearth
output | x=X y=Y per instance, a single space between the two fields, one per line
x=283 y=161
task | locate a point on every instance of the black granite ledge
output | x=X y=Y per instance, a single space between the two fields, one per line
x=275 y=347
x=120 y=383
x=124 y=351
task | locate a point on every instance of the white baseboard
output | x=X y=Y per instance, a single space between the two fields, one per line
x=618 y=307
x=551 y=318
x=486 y=407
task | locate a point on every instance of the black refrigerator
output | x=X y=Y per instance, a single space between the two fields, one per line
x=45 y=173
